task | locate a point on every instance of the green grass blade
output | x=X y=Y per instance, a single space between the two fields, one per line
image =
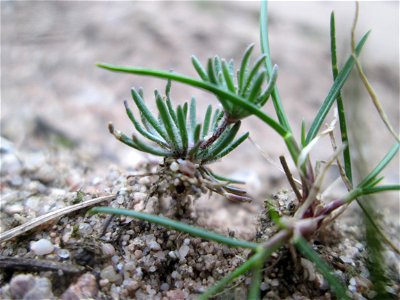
x=206 y=123
x=169 y=124
x=241 y=270
x=303 y=133
x=220 y=93
x=179 y=226
x=333 y=92
x=276 y=99
x=337 y=287
x=340 y=104
x=141 y=130
x=380 y=189
x=199 y=68
x=255 y=285
x=182 y=128
x=382 y=164
x=243 y=68
x=147 y=114
x=223 y=178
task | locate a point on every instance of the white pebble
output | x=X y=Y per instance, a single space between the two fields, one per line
x=174 y=167
x=42 y=247
x=183 y=251
x=63 y=253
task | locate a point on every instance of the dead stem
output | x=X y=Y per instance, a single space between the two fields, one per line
x=5 y=236
x=289 y=176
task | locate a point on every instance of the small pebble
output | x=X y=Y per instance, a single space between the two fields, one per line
x=153 y=245
x=85 y=229
x=183 y=251
x=108 y=249
x=63 y=253
x=42 y=247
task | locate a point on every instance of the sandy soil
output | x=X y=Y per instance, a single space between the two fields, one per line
x=50 y=87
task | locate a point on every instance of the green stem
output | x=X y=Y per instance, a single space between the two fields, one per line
x=192 y=230
x=245 y=267
x=250 y=107
x=340 y=105
x=276 y=99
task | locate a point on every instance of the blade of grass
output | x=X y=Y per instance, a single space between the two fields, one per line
x=221 y=93
x=168 y=123
x=337 y=287
x=334 y=91
x=182 y=128
x=367 y=84
x=179 y=226
x=206 y=123
x=245 y=267
x=264 y=41
x=232 y=146
x=340 y=105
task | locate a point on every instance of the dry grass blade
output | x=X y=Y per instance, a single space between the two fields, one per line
x=5 y=236
x=30 y=264
x=367 y=84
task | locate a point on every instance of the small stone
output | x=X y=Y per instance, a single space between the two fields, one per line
x=138 y=254
x=153 y=245
x=176 y=295
x=108 y=249
x=164 y=286
x=152 y=269
x=183 y=251
x=110 y=274
x=84 y=288
x=131 y=285
x=103 y=282
x=42 y=247
x=85 y=229
x=20 y=285
x=346 y=260
x=63 y=253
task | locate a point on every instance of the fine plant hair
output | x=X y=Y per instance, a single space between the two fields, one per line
x=183 y=142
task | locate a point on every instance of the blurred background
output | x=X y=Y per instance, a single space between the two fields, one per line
x=53 y=95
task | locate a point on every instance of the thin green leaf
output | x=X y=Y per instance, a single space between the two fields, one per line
x=192 y=117
x=256 y=87
x=303 y=133
x=225 y=139
x=206 y=123
x=182 y=128
x=340 y=104
x=252 y=73
x=218 y=115
x=276 y=99
x=334 y=91
x=169 y=124
x=199 y=68
x=219 y=92
x=196 y=134
x=380 y=189
x=337 y=287
x=141 y=130
x=223 y=178
x=382 y=164
x=182 y=227
x=212 y=75
x=171 y=111
x=241 y=270
x=270 y=87
x=228 y=77
x=147 y=114
x=244 y=67
x=255 y=285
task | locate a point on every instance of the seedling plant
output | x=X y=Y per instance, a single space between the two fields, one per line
x=189 y=147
